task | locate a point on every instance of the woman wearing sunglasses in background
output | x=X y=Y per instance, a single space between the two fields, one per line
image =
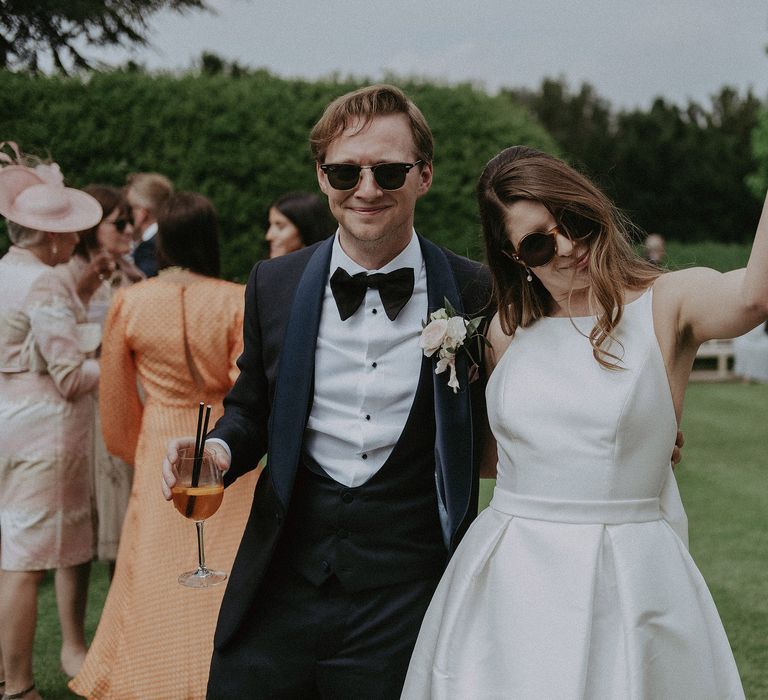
x=102 y=261
x=574 y=582
x=99 y=267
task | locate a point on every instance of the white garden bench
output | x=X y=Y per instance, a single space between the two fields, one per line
x=722 y=352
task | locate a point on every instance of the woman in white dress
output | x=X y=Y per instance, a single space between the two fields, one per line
x=574 y=582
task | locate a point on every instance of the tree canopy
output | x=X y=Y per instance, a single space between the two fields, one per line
x=680 y=171
x=30 y=29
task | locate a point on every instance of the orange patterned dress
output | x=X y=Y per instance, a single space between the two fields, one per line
x=180 y=334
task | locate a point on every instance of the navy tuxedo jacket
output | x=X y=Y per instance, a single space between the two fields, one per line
x=268 y=407
x=145 y=256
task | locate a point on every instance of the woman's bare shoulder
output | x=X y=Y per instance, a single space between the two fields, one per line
x=499 y=342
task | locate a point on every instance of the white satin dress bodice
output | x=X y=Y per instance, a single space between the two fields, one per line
x=576 y=581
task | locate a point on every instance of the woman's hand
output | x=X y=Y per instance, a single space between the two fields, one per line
x=100 y=268
x=677 y=450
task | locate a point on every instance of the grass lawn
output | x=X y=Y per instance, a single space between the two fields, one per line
x=50 y=681
x=724 y=483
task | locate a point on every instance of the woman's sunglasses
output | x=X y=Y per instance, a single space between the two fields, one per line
x=537 y=248
x=388 y=176
x=120 y=224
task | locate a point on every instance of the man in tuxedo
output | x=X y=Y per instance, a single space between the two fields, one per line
x=146 y=194
x=373 y=460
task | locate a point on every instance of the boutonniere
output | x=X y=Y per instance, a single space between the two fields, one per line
x=446 y=332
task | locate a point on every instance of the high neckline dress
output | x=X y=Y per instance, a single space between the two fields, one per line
x=576 y=581
x=179 y=334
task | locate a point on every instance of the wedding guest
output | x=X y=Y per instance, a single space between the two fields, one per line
x=575 y=582
x=296 y=220
x=654 y=250
x=179 y=334
x=371 y=473
x=100 y=267
x=146 y=194
x=46 y=418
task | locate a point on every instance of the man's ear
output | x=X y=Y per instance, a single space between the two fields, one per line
x=321 y=180
x=425 y=177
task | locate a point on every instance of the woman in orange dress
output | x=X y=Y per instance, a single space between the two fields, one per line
x=179 y=334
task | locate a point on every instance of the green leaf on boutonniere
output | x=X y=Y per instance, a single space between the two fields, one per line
x=473 y=325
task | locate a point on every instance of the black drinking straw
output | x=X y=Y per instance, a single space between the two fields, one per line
x=202 y=429
x=201 y=447
x=199 y=429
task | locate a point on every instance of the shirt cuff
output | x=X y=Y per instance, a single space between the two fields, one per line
x=221 y=442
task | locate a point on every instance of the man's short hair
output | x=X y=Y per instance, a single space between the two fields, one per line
x=148 y=190
x=365 y=104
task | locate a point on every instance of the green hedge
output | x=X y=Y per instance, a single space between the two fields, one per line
x=718 y=256
x=242 y=141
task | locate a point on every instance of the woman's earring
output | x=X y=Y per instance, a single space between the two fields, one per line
x=529 y=277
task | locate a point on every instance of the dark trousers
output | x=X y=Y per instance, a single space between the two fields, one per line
x=302 y=641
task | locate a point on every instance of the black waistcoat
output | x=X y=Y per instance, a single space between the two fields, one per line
x=382 y=532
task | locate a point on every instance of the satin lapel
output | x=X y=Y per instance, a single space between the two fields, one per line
x=290 y=407
x=453 y=416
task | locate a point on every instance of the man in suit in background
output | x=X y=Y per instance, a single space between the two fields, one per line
x=373 y=460
x=146 y=194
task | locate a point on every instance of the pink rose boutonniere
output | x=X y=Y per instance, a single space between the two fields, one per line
x=445 y=333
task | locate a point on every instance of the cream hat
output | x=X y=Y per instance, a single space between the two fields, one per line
x=36 y=198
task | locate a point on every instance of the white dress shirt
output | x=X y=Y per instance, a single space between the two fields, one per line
x=366 y=374
x=149 y=232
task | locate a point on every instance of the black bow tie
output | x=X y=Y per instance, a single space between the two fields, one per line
x=395 y=289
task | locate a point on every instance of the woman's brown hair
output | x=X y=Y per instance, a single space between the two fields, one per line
x=188 y=234
x=581 y=208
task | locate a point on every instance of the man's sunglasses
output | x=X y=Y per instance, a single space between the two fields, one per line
x=120 y=224
x=537 y=248
x=388 y=176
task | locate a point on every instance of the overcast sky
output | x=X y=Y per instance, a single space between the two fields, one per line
x=630 y=50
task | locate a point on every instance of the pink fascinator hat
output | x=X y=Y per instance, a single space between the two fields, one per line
x=37 y=198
